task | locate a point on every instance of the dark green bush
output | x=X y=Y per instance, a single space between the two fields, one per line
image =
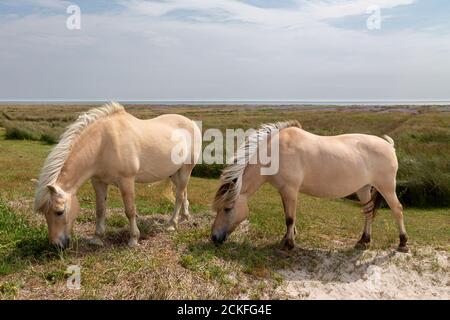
x=208 y=170
x=24 y=131
x=15 y=133
x=48 y=138
x=424 y=181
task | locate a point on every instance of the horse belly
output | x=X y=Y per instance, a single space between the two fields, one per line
x=332 y=191
x=337 y=182
x=156 y=170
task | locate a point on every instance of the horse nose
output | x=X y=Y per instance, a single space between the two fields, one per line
x=218 y=238
x=66 y=242
x=63 y=242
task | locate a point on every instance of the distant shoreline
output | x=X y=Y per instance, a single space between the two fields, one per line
x=254 y=103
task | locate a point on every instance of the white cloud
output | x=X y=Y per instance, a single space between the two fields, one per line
x=341 y=8
x=51 y=4
x=136 y=55
x=305 y=11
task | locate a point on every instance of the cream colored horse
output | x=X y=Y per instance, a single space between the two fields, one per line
x=320 y=166
x=112 y=147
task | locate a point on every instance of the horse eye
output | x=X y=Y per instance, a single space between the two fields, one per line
x=228 y=210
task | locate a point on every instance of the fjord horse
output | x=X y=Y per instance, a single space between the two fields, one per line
x=320 y=166
x=112 y=147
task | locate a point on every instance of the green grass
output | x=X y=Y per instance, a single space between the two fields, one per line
x=20 y=242
x=185 y=264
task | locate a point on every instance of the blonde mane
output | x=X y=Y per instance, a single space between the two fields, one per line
x=58 y=156
x=231 y=178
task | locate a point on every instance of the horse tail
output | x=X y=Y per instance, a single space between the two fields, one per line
x=167 y=188
x=372 y=206
x=389 y=139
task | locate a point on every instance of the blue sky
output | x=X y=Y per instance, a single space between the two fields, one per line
x=225 y=50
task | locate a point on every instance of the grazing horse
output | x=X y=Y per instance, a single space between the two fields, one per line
x=320 y=166
x=112 y=147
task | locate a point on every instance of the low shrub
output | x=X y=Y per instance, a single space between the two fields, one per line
x=48 y=138
x=15 y=133
x=424 y=181
x=212 y=171
x=26 y=131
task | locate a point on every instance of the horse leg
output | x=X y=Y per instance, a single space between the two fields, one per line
x=390 y=196
x=180 y=179
x=186 y=171
x=289 y=197
x=368 y=207
x=101 y=193
x=126 y=187
x=185 y=207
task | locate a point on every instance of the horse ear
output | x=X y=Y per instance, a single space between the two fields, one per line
x=53 y=189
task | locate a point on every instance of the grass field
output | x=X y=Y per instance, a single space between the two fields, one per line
x=185 y=264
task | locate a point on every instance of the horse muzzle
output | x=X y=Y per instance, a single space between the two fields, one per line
x=218 y=237
x=62 y=242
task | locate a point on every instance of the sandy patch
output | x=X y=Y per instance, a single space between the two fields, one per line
x=423 y=274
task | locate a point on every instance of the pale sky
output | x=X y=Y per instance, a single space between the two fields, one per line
x=225 y=50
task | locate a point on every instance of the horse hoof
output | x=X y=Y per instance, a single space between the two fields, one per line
x=133 y=243
x=287 y=244
x=186 y=217
x=171 y=228
x=403 y=249
x=96 y=241
x=362 y=245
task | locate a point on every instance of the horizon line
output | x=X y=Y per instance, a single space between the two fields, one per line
x=235 y=101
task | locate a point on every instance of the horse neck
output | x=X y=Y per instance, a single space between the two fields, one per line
x=251 y=181
x=79 y=165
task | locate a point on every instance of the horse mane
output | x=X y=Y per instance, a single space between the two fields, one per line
x=231 y=177
x=58 y=156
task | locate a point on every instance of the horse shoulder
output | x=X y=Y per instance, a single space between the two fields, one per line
x=292 y=139
x=120 y=145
